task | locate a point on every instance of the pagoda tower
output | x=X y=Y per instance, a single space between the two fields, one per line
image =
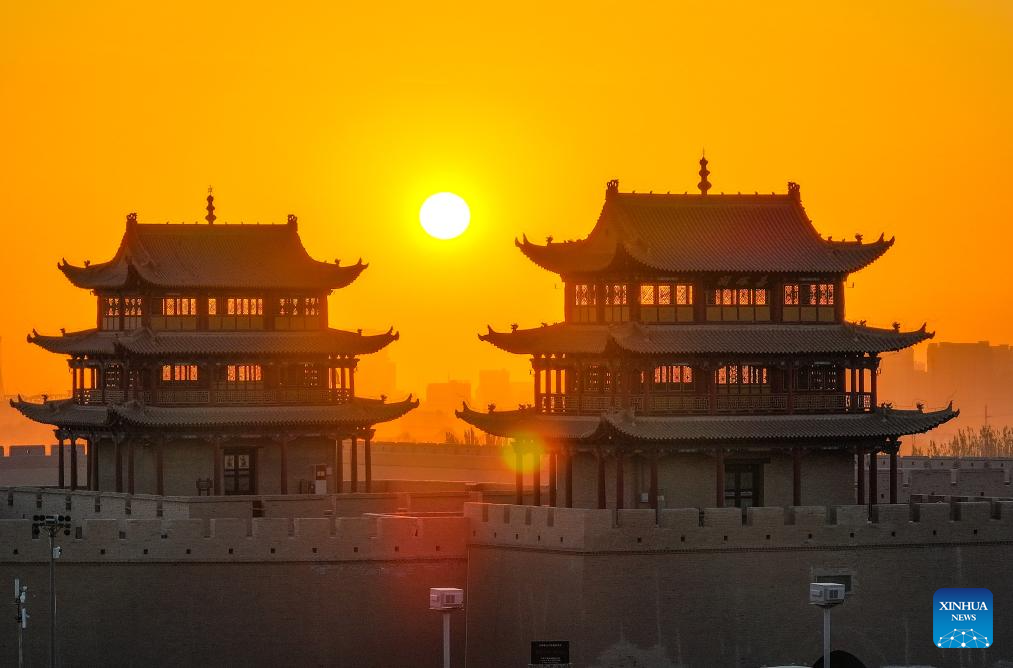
x=704 y=360
x=212 y=368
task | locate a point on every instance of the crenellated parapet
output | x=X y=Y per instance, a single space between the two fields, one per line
x=763 y=528
x=268 y=539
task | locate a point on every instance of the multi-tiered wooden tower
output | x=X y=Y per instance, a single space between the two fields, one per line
x=212 y=365
x=704 y=359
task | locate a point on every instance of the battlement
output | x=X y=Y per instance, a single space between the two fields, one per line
x=81 y=505
x=264 y=539
x=688 y=529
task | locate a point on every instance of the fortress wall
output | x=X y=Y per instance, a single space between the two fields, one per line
x=217 y=612
x=735 y=606
x=573 y=529
x=382 y=537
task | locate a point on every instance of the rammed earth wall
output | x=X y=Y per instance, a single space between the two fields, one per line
x=709 y=589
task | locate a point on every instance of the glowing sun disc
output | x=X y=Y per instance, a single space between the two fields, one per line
x=444 y=215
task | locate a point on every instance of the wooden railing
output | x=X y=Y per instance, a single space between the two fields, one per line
x=216 y=396
x=696 y=404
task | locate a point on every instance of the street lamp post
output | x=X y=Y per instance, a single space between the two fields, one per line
x=20 y=597
x=52 y=525
x=446 y=600
x=826 y=595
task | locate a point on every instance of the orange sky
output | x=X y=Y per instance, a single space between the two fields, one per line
x=893 y=116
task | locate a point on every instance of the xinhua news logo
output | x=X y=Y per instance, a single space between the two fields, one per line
x=962 y=618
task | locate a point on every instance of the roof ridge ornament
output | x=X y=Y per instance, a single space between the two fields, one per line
x=211 y=217
x=795 y=191
x=704 y=184
x=611 y=187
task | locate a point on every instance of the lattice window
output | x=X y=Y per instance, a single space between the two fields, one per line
x=737 y=297
x=735 y=377
x=243 y=373
x=584 y=295
x=288 y=306
x=111 y=307
x=673 y=378
x=791 y=294
x=179 y=306
x=666 y=294
x=821 y=294
x=133 y=307
x=244 y=306
x=311 y=306
x=212 y=306
x=817 y=379
x=180 y=373
x=615 y=294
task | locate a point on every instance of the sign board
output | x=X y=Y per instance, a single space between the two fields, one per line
x=320 y=479
x=550 y=652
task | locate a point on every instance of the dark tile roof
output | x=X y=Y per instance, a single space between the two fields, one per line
x=705 y=233
x=528 y=423
x=63 y=413
x=359 y=412
x=734 y=338
x=882 y=423
x=148 y=342
x=213 y=256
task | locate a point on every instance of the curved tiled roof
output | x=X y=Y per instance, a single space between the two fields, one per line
x=358 y=412
x=881 y=423
x=212 y=256
x=740 y=338
x=705 y=233
x=149 y=342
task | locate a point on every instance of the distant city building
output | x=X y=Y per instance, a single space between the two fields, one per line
x=212 y=360
x=447 y=396
x=975 y=375
x=704 y=357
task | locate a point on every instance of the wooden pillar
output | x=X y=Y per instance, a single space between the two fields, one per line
x=653 y=494
x=130 y=466
x=873 y=477
x=790 y=372
x=283 y=451
x=873 y=383
x=537 y=366
x=861 y=387
x=118 y=456
x=854 y=385
x=339 y=465
x=73 y=462
x=216 y=484
x=719 y=479
x=93 y=462
x=620 y=487
x=552 y=477
x=712 y=391
x=518 y=475
x=796 y=476
x=89 y=456
x=367 y=461
x=354 y=463
x=860 y=483
x=60 y=458
x=160 y=467
x=893 y=475
x=568 y=474
x=601 y=478
x=536 y=476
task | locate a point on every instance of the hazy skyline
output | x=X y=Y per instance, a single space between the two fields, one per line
x=888 y=117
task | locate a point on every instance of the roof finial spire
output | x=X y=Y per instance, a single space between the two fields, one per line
x=704 y=184
x=211 y=208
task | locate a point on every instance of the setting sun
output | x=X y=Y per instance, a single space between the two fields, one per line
x=444 y=215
